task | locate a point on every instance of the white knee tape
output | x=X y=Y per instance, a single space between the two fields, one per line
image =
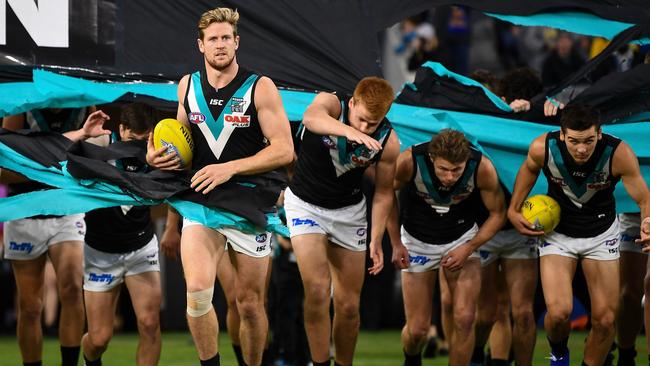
x=199 y=303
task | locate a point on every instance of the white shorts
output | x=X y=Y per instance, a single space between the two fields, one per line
x=27 y=239
x=603 y=247
x=103 y=271
x=630 y=231
x=346 y=226
x=253 y=245
x=425 y=257
x=508 y=244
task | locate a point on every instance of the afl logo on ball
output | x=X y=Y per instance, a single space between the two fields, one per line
x=196 y=117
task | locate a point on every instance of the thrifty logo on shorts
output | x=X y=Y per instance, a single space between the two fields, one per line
x=106 y=277
x=419 y=259
x=299 y=222
x=21 y=247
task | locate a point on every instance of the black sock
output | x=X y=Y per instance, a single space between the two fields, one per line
x=266 y=357
x=478 y=356
x=626 y=356
x=497 y=362
x=412 y=360
x=70 y=356
x=97 y=362
x=559 y=349
x=324 y=363
x=37 y=363
x=214 y=361
x=238 y=354
x=338 y=364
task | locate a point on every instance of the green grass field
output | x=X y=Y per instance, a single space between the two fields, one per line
x=374 y=349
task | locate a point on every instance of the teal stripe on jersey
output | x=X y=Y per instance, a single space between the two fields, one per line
x=342 y=146
x=215 y=127
x=425 y=175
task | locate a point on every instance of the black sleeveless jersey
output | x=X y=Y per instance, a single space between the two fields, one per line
x=48 y=120
x=120 y=229
x=585 y=192
x=330 y=169
x=224 y=122
x=436 y=214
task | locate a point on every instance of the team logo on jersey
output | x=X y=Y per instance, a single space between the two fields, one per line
x=196 y=117
x=237 y=120
x=237 y=105
x=599 y=181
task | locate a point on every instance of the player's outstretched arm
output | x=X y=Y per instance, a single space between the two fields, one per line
x=321 y=118
x=626 y=165
x=403 y=173
x=92 y=127
x=382 y=201
x=526 y=178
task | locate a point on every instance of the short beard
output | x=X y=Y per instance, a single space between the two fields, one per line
x=220 y=67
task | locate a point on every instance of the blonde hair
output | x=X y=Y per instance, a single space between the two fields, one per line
x=376 y=94
x=218 y=15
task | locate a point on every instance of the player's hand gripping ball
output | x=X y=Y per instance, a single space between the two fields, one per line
x=542 y=211
x=177 y=138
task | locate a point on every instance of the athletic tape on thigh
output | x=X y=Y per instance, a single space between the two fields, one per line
x=199 y=303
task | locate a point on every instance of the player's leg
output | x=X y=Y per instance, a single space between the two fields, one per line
x=602 y=278
x=557 y=273
x=142 y=278
x=145 y=292
x=486 y=314
x=347 y=269
x=464 y=286
x=67 y=259
x=417 y=291
x=501 y=335
x=521 y=278
x=311 y=255
x=100 y=314
x=29 y=276
x=630 y=312
x=446 y=309
x=201 y=250
x=226 y=278
x=250 y=289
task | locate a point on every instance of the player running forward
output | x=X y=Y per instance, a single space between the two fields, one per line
x=326 y=210
x=239 y=128
x=121 y=248
x=445 y=182
x=582 y=166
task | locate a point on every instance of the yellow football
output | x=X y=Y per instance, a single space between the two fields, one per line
x=542 y=211
x=176 y=138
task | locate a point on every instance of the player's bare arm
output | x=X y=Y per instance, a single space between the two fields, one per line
x=321 y=117
x=382 y=201
x=526 y=178
x=92 y=127
x=494 y=200
x=157 y=158
x=626 y=165
x=403 y=173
